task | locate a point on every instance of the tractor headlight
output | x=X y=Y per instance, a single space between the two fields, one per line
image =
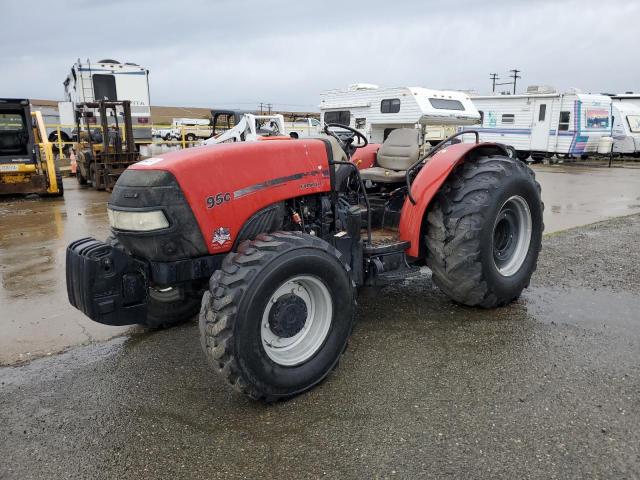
x=137 y=221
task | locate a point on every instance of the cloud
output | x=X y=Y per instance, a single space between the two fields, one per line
x=240 y=53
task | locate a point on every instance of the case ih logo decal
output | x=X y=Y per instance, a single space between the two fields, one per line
x=277 y=181
x=224 y=197
x=221 y=236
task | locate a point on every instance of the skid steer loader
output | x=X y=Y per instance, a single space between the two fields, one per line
x=27 y=162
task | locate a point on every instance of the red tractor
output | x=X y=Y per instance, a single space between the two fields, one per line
x=270 y=241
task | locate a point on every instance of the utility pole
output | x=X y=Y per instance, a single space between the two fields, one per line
x=261 y=108
x=493 y=77
x=269 y=107
x=515 y=77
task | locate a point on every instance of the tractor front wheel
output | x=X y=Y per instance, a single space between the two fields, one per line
x=484 y=231
x=278 y=314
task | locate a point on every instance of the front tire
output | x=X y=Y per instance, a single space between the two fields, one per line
x=484 y=232
x=278 y=314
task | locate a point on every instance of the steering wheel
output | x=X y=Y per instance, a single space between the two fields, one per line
x=346 y=145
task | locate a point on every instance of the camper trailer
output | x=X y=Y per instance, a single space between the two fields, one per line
x=377 y=111
x=543 y=122
x=626 y=124
x=110 y=80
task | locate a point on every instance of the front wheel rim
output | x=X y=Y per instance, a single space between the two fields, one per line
x=296 y=320
x=511 y=237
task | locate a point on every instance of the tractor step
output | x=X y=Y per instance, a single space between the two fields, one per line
x=388 y=263
x=385 y=247
x=386 y=278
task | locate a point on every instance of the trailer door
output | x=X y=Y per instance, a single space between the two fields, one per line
x=540 y=125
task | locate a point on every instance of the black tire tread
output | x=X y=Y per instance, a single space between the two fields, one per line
x=226 y=288
x=454 y=222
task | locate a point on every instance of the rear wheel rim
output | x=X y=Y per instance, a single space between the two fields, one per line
x=511 y=237
x=296 y=320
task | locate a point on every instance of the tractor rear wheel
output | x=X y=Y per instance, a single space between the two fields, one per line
x=484 y=231
x=278 y=314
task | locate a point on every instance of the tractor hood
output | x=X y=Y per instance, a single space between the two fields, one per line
x=208 y=193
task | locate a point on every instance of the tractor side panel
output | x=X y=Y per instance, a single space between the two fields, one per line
x=426 y=185
x=227 y=183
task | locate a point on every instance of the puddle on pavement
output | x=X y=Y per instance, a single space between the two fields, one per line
x=585 y=308
x=36 y=317
x=575 y=195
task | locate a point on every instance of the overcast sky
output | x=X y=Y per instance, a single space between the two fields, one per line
x=240 y=53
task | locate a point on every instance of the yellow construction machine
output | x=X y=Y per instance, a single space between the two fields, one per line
x=27 y=162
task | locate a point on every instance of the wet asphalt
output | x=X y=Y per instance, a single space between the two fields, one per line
x=36 y=319
x=548 y=387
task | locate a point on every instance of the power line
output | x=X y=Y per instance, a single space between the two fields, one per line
x=514 y=74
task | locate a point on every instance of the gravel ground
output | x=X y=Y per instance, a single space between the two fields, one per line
x=548 y=387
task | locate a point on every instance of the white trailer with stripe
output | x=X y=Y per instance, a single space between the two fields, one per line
x=544 y=122
x=626 y=124
x=376 y=111
x=111 y=80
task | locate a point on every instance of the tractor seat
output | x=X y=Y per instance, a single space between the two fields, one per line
x=398 y=152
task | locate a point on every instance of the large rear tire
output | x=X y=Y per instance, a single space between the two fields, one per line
x=484 y=231
x=278 y=314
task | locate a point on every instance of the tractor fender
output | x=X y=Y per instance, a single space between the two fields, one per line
x=427 y=183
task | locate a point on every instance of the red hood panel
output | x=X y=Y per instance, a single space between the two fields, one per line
x=225 y=184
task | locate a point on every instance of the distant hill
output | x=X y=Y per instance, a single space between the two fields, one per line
x=161 y=115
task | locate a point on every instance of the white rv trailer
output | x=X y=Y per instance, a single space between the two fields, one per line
x=377 y=111
x=543 y=122
x=111 y=80
x=626 y=124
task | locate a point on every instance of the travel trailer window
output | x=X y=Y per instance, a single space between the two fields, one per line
x=634 y=123
x=361 y=123
x=508 y=118
x=390 y=105
x=104 y=87
x=343 y=117
x=565 y=118
x=445 y=104
x=542 y=113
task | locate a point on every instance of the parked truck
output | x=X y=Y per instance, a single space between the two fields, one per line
x=191 y=129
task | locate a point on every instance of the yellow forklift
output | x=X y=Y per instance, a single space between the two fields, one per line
x=27 y=162
x=104 y=151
